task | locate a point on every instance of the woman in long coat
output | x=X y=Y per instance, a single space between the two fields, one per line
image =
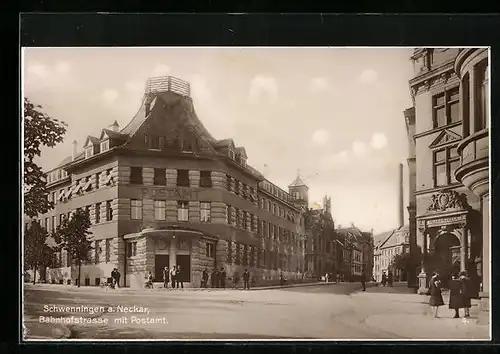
x=436 y=298
x=456 y=298
x=466 y=292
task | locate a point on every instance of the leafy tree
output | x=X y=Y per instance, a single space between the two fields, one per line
x=37 y=254
x=39 y=130
x=73 y=236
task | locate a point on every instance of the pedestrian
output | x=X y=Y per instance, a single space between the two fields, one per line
x=204 y=278
x=113 y=278
x=166 y=277
x=384 y=278
x=282 y=279
x=466 y=292
x=173 y=275
x=246 y=280
x=389 y=278
x=363 y=280
x=222 y=278
x=118 y=275
x=456 y=298
x=236 y=280
x=213 y=278
x=436 y=298
x=179 y=277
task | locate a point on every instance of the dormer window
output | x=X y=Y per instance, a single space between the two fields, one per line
x=232 y=154
x=187 y=146
x=89 y=151
x=105 y=145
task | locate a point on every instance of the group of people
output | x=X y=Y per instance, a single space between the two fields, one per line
x=387 y=279
x=460 y=293
x=217 y=279
x=172 y=276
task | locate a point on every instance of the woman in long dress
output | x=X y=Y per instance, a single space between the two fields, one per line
x=466 y=292
x=436 y=298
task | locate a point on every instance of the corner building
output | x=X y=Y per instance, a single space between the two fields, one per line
x=449 y=125
x=163 y=192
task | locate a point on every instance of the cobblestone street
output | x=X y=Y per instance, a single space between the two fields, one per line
x=323 y=311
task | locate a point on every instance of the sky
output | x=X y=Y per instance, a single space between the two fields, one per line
x=333 y=114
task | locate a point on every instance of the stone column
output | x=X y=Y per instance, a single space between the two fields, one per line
x=121 y=209
x=248 y=217
x=194 y=178
x=484 y=294
x=171 y=178
x=150 y=256
x=463 y=249
x=218 y=213
x=148 y=174
x=472 y=101
x=422 y=277
x=255 y=223
x=221 y=251
x=103 y=211
x=232 y=184
x=93 y=179
x=172 y=252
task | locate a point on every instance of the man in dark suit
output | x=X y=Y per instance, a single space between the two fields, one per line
x=179 y=275
x=246 y=280
x=222 y=278
x=204 y=278
x=213 y=278
x=363 y=280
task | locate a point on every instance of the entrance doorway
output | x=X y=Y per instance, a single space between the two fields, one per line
x=447 y=256
x=184 y=261
x=161 y=261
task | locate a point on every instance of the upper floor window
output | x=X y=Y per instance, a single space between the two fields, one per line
x=182 y=178
x=210 y=250
x=136 y=175
x=206 y=179
x=109 y=211
x=98 y=213
x=160 y=177
x=445 y=108
x=154 y=142
x=89 y=151
x=105 y=145
x=205 y=212
x=446 y=161
x=182 y=211
x=159 y=206
x=97 y=180
x=131 y=249
x=136 y=209
x=186 y=145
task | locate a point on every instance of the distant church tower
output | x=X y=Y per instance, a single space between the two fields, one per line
x=299 y=192
x=327 y=205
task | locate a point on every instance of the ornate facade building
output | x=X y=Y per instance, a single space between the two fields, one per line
x=357 y=252
x=163 y=192
x=448 y=131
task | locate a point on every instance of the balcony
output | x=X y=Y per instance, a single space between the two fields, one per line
x=474 y=162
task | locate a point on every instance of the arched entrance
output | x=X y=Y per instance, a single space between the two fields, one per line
x=447 y=255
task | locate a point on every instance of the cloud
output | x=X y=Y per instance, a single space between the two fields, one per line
x=135 y=86
x=39 y=69
x=199 y=87
x=368 y=76
x=110 y=95
x=359 y=148
x=320 y=137
x=63 y=67
x=160 y=70
x=330 y=161
x=263 y=86
x=319 y=84
x=379 y=140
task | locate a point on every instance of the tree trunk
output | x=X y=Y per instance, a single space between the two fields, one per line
x=34 y=275
x=79 y=271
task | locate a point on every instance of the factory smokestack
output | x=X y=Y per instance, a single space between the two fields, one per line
x=400 y=196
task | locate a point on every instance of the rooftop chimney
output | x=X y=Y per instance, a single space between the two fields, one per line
x=400 y=196
x=73 y=156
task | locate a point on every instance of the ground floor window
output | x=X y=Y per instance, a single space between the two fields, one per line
x=210 y=250
x=131 y=249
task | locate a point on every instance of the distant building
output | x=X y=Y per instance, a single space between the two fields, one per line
x=321 y=253
x=449 y=127
x=389 y=245
x=357 y=252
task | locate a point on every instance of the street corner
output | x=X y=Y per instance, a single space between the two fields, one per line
x=425 y=326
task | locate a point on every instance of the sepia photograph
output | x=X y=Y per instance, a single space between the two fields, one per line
x=255 y=193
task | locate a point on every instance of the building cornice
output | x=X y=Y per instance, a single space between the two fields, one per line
x=437 y=189
x=435 y=130
x=424 y=82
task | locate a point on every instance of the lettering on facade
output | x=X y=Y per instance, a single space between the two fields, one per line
x=448 y=201
x=446 y=221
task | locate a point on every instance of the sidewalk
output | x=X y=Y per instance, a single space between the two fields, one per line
x=94 y=289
